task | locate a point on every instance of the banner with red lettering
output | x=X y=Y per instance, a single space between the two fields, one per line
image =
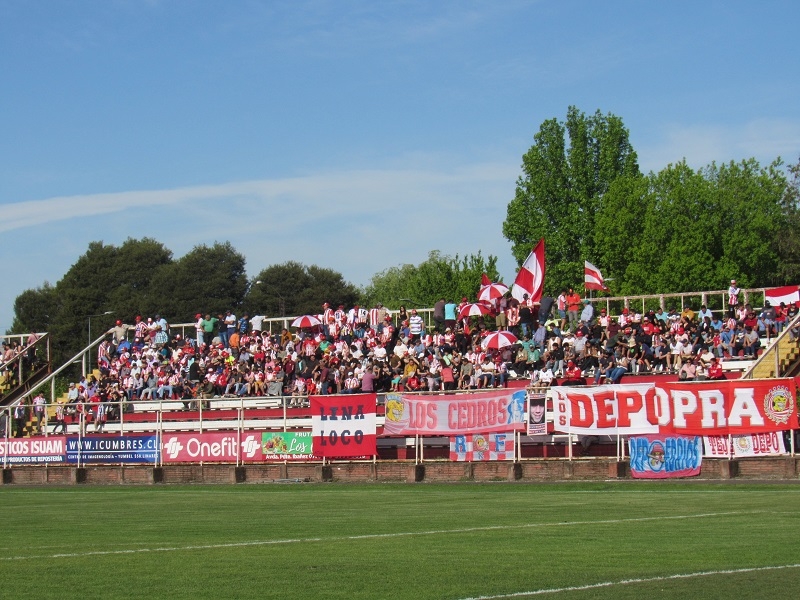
x=665 y=456
x=489 y=446
x=343 y=426
x=485 y=412
x=698 y=408
x=754 y=444
x=211 y=446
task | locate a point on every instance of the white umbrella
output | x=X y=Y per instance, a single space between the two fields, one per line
x=499 y=339
x=306 y=321
x=492 y=291
x=474 y=310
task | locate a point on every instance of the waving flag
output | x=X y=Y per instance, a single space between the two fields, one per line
x=788 y=294
x=530 y=279
x=594 y=279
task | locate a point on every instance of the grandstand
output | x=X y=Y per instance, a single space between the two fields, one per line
x=187 y=407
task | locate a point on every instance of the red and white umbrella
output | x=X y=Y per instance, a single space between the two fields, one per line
x=499 y=339
x=492 y=291
x=306 y=321
x=475 y=309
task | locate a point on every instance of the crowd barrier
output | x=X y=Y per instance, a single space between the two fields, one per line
x=728 y=420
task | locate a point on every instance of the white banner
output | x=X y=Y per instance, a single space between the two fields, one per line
x=754 y=444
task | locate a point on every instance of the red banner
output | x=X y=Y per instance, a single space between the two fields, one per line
x=343 y=426
x=498 y=411
x=699 y=408
x=212 y=446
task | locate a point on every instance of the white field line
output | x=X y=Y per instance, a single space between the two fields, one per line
x=606 y=584
x=371 y=536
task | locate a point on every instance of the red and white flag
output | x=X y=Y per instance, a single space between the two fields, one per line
x=788 y=294
x=593 y=277
x=343 y=426
x=530 y=279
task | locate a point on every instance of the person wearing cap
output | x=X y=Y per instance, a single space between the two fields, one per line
x=733 y=297
x=198 y=327
x=119 y=331
x=573 y=375
x=162 y=330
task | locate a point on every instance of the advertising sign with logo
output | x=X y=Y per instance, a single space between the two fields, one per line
x=479 y=447
x=498 y=411
x=286 y=445
x=127 y=449
x=21 y=451
x=661 y=457
x=684 y=408
x=211 y=446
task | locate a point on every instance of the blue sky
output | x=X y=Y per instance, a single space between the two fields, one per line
x=352 y=135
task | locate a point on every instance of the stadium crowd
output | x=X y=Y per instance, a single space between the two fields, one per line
x=364 y=350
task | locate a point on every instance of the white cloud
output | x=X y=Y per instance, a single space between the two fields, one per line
x=763 y=139
x=356 y=222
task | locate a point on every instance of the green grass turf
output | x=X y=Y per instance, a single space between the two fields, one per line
x=398 y=541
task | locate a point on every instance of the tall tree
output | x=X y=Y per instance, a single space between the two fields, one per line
x=680 y=230
x=207 y=279
x=438 y=276
x=786 y=242
x=292 y=289
x=565 y=175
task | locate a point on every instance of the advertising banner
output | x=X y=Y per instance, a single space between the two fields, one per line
x=127 y=449
x=475 y=447
x=696 y=408
x=754 y=444
x=537 y=407
x=286 y=445
x=497 y=411
x=211 y=446
x=22 y=451
x=343 y=426
x=664 y=456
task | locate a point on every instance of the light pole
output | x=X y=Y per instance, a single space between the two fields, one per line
x=108 y=312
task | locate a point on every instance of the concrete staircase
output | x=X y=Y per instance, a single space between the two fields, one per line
x=784 y=354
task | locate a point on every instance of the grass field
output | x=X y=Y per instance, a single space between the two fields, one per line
x=402 y=541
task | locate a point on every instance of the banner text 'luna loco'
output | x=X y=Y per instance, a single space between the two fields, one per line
x=343 y=426
x=701 y=408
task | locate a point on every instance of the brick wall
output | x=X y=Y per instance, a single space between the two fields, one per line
x=755 y=469
x=265 y=473
x=777 y=467
x=394 y=471
x=493 y=471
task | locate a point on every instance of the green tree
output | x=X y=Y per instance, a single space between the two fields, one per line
x=207 y=279
x=682 y=230
x=33 y=309
x=292 y=289
x=565 y=175
x=786 y=242
x=439 y=276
